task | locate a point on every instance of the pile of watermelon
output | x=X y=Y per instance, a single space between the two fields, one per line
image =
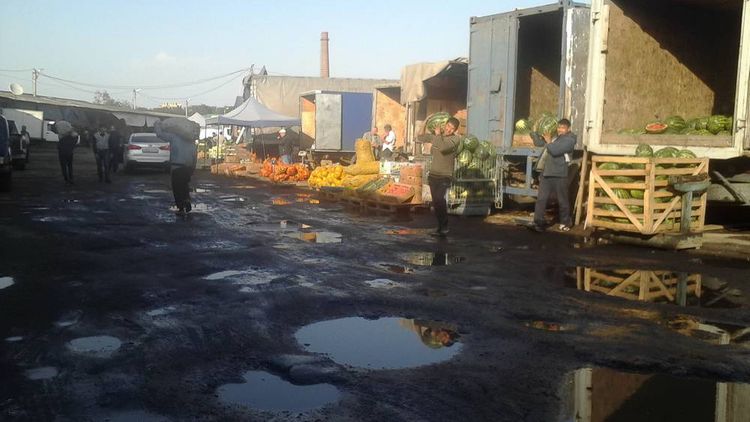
x=676 y=125
x=642 y=150
x=544 y=124
x=475 y=159
x=436 y=121
x=472 y=192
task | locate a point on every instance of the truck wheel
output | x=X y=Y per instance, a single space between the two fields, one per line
x=6 y=181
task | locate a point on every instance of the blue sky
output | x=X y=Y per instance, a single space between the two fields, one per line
x=146 y=43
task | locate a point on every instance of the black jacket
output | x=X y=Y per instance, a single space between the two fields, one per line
x=67 y=144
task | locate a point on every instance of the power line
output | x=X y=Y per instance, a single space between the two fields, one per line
x=16 y=70
x=194 y=95
x=175 y=85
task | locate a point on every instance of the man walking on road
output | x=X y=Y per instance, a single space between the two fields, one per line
x=65 y=147
x=444 y=146
x=101 y=152
x=115 y=149
x=182 y=159
x=554 y=177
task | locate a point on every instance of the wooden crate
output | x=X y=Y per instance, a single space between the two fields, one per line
x=643 y=285
x=660 y=209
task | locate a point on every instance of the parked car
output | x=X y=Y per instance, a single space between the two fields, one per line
x=6 y=157
x=19 y=146
x=145 y=150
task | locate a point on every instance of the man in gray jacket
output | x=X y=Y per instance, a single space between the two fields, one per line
x=182 y=157
x=444 y=146
x=554 y=177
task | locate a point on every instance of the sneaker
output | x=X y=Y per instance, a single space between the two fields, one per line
x=563 y=228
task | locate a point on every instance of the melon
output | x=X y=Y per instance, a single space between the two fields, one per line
x=675 y=124
x=471 y=143
x=716 y=123
x=644 y=150
x=655 y=128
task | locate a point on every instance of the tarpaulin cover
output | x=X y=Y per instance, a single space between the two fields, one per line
x=198 y=118
x=413 y=77
x=281 y=93
x=253 y=113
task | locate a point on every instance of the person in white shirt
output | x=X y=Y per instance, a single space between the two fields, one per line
x=389 y=142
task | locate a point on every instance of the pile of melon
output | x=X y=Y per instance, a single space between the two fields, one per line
x=718 y=124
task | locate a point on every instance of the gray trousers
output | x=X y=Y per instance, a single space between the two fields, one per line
x=548 y=185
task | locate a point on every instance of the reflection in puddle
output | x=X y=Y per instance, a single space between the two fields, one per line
x=280 y=201
x=13 y=339
x=155 y=191
x=432 y=258
x=382 y=283
x=223 y=274
x=267 y=392
x=397 y=269
x=318 y=237
x=713 y=332
x=43 y=373
x=601 y=395
x=6 y=282
x=659 y=286
x=161 y=311
x=404 y=232
x=97 y=346
x=547 y=326
x=70 y=318
x=201 y=190
x=232 y=199
x=385 y=343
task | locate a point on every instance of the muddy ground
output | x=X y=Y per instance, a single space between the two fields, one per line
x=112 y=260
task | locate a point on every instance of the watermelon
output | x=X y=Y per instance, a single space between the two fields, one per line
x=635 y=209
x=464 y=158
x=668 y=152
x=692 y=123
x=546 y=124
x=623 y=179
x=729 y=123
x=475 y=164
x=609 y=166
x=523 y=126
x=655 y=128
x=703 y=132
x=490 y=150
x=644 y=150
x=716 y=123
x=685 y=153
x=471 y=143
x=663 y=199
x=675 y=124
x=636 y=193
x=621 y=193
x=702 y=123
x=437 y=120
x=482 y=150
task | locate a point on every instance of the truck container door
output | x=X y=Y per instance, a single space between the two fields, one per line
x=742 y=105
x=328 y=122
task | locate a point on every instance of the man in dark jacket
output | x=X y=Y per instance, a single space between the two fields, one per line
x=286 y=147
x=115 y=149
x=65 y=147
x=554 y=177
x=444 y=146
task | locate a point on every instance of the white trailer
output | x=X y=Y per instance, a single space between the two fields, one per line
x=649 y=60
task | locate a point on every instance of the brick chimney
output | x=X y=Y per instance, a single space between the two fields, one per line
x=324 y=69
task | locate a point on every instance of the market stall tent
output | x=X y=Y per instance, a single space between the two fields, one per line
x=254 y=114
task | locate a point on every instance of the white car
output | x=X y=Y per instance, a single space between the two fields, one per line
x=145 y=149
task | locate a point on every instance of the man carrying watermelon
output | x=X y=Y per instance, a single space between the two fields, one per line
x=444 y=145
x=554 y=177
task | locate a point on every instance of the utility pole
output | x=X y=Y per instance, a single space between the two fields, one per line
x=135 y=96
x=34 y=76
x=187 y=101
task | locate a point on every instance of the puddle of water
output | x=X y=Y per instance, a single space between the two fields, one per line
x=232 y=199
x=601 y=394
x=548 y=326
x=155 y=191
x=432 y=258
x=132 y=416
x=404 y=232
x=197 y=208
x=318 y=237
x=13 y=339
x=201 y=190
x=97 y=346
x=267 y=392
x=682 y=289
x=382 y=283
x=224 y=274
x=385 y=343
x=52 y=219
x=70 y=318
x=314 y=201
x=244 y=187
x=43 y=373
x=161 y=311
x=281 y=226
x=716 y=333
x=6 y=282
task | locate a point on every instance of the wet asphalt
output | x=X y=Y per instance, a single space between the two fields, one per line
x=114 y=308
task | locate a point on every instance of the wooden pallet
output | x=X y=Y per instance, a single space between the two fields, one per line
x=660 y=209
x=642 y=285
